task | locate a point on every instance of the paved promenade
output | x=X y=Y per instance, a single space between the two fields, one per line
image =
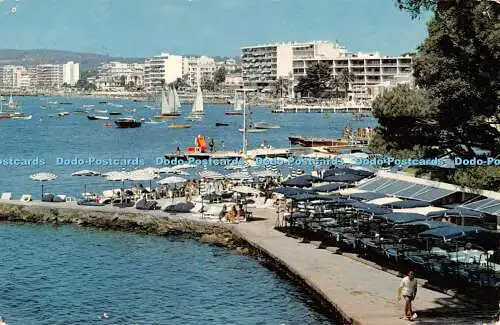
x=364 y=294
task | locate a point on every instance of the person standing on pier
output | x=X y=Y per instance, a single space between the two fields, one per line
x=212 y=145
x=408 y=289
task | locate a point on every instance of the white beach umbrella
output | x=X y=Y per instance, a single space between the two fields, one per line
x=165 y=170
x=246 y=190
x=117 y=176
x=172 y=180
x=242 y=175
x=86 y=172
x=183 y=166
x=147 y=174
x=43 y=177
x=211 y=174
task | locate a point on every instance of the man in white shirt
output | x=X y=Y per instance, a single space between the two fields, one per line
x=408 y=289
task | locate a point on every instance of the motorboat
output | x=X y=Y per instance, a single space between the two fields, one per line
x=266 y=125
x=97 y=117
x=115 y=113
x=107 y=124
x=101 y=111
x=103 y=102
x=87 y=106
x=170 y=104
x=62 y=114
x=221 y=124
x=128 y=122
x=22 y=117
x=179 y=126
x=80 y=111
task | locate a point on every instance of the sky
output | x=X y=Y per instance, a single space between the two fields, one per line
x=139 y=28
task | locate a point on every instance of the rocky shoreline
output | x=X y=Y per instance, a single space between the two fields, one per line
x=207 y=232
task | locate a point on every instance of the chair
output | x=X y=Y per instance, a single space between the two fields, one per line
x=26 y=198
x=6 y=196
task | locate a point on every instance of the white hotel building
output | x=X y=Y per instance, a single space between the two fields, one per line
x=112 y=74
x=164 y=68
x=262 y=65
x=14 y=77
x=202 y=67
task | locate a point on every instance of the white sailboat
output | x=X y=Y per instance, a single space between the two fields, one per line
x=237 y=107
x=12 y=103
x=197 y=109
x=169 y=105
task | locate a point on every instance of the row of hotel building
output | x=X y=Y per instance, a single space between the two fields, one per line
x=259 y=68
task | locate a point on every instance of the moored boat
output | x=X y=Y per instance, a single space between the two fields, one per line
x=221 y=124
x=115 y=113
x=127 y=122
x=266 y=125
x=179 y=126
x=97 y=117
x=237 y=107
x=169 y=104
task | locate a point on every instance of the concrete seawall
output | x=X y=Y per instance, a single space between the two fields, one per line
x=352 y=292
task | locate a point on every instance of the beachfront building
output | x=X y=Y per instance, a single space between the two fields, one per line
x=262 y=65
x=162 y=69
x=368 y=70
x=230 y=65
x=71 y=73
x=193 y=67
x=14 y=77
x=118 y=74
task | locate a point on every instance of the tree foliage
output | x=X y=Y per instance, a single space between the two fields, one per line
x=220 y=75
x=281 y=87
x=317 y=81
x=405 y=123
x=208 y=84
x=484 y=177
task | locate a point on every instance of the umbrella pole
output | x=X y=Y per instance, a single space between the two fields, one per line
x=41 y=199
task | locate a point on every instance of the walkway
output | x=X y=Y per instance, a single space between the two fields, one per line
x=365 y=294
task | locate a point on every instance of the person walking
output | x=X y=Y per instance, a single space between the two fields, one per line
x=408 y=290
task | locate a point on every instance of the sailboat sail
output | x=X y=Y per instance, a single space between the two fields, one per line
x=11 y=101
x=177 y=100
x=165 y=104
x=238 y=105
x=198 y=102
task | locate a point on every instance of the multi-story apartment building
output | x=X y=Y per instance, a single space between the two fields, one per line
x=14 y=77
x=118 y=74
x=71 y=73
x=198 y=67
x=162 y=69
x=230 y=65
x=367 y=70
x=49 y=76
x=263 y=65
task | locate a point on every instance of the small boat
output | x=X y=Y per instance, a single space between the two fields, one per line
x=169 y=105
x=252 y=130
x=62 y=114
x=103 y=102
x=237 y=107
x=12 y=103
x=179 y=126
x=101 y=111
x=221 y=124
x=197 y=109
x=22 y=117
x=53 y=103
x=115 y=113
x=115 y=105
x=97 y=117
x=65 y=103
x=130 y=110
x=80 y=111
x=4 y=116
x=153 y=122
x=108 y=124
x=127 y=122
x=87 y=106
x=265 y=125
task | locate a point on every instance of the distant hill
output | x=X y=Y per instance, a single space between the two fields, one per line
x=88 y=61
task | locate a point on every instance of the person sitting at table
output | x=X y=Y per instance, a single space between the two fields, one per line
x=241 y=212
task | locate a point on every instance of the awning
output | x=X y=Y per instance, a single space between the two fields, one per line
x=347 y=178
x=456 y=212
x=452 y=232
x=371 y=208
x=402 y=217
x=365 y=196
x=405 y=189
x=407 y=204
x=490 y=206
x=331 y=187
x=429 y=224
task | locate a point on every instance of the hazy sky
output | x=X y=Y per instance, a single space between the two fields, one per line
x=137 y=28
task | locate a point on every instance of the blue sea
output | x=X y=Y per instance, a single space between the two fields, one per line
x=53 y=139
x=70 y=275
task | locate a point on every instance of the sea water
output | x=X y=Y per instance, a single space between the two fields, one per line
x=69 y=275
x=74 y=138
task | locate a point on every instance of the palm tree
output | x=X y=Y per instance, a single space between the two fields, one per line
x=346 y=77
